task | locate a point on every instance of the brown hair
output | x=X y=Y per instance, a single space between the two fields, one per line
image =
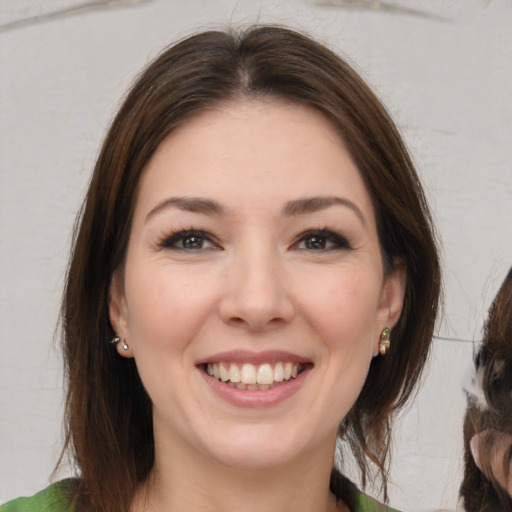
x=108 y=412
x=494 y=364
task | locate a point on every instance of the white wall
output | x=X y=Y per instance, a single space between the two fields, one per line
x=443 y=68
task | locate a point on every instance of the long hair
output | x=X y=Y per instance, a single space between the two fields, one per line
x=489 y=409
x=108 y=413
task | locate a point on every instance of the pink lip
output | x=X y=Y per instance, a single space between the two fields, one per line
x=246 y=398
x=253 y=399
x=244 y=356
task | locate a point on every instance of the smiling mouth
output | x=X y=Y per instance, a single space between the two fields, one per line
x=253 y=377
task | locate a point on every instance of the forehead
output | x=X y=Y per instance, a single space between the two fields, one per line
x=258 y=148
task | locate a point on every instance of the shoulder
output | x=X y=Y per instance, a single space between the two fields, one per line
x=55 y=498
x=367 y=504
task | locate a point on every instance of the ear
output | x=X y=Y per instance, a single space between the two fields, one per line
x=391 y=300
x=474 y=446
x=489 y=449
x=118 y=313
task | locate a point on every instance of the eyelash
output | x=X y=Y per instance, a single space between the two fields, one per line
x=172 y=241
x=327 y=240
x=325 y=237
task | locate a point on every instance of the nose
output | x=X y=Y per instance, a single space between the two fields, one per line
x=256 y=296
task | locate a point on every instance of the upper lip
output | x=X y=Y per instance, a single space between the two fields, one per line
x=245 y=356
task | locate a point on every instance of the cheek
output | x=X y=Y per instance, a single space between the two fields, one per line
x=343 y=308
x=166 y=308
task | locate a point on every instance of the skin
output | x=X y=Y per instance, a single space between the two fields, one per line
x=256 y=281
x=500 y=465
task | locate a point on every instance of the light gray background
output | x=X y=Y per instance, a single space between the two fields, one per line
x=444 y=69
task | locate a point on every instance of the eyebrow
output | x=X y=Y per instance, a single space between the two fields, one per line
x=189 y=204
x=296 y=207
x=315 y=204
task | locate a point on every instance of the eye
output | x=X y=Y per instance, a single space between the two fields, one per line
x=321 y=240
x=189 y=240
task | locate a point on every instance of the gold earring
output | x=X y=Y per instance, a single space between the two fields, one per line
x=384 y=342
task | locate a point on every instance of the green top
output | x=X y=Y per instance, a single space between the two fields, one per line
x=56 y=498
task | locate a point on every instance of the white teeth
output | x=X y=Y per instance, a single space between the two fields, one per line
x=278 y=372
x=251 y=377
x=248 y=374
x=234 y=373
x=265 y=374
x=224 y=374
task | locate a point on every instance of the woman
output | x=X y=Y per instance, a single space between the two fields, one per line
x=256 y=246
x=487 y=483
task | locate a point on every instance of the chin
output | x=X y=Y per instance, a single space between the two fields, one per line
x=259 y=448
x=255 y=458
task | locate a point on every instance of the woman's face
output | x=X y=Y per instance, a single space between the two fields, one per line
x=253 y=293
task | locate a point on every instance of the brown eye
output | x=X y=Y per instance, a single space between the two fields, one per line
x=192 y=242
x=321 y=240
x=188 y=240
x=315 y=242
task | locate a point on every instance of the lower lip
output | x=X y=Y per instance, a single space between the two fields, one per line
x=265 y=398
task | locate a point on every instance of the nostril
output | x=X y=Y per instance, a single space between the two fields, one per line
x=255 y=324
x=256 y=307
x=237 y=320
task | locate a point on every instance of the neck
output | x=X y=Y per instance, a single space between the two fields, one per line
x=182 y=483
